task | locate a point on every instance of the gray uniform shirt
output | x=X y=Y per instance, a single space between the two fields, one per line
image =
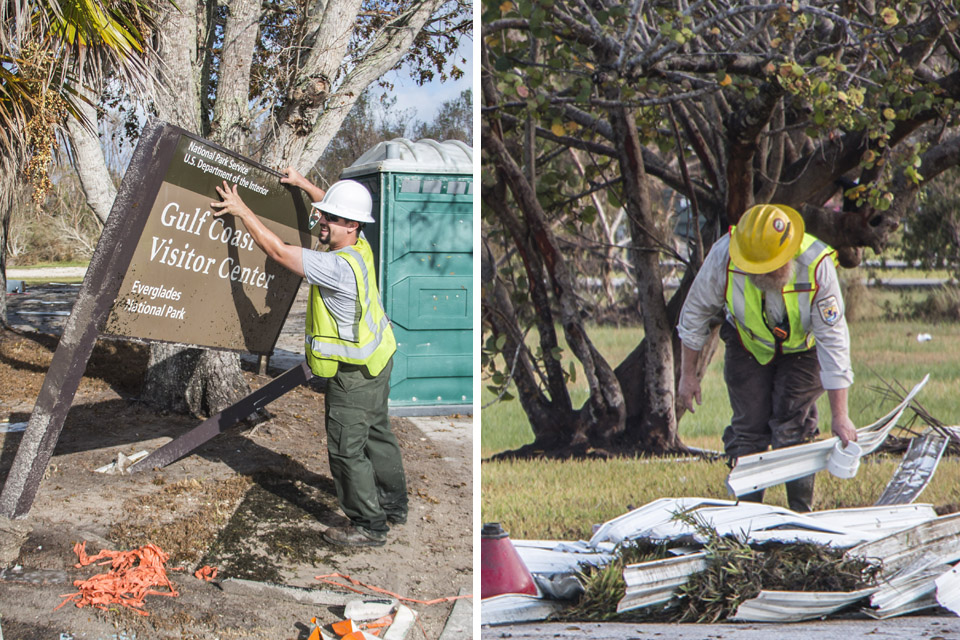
x=338 y=286
x=829 y=324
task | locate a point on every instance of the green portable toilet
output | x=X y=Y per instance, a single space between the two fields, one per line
x=423 y=246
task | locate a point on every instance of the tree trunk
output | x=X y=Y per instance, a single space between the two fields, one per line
x=183 y=379
x=91 y=167
x=657 y=428
x=5 y=207
x=189 y=380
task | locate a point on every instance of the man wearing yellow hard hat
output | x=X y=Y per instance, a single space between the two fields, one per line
x=785 y=333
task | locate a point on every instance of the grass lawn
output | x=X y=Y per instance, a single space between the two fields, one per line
x=563 y=499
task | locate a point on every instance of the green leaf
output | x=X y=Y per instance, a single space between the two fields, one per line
x=501 y=340
x=614 y=199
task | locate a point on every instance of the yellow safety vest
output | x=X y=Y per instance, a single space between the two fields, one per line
x=745 y=304
x=368 y=340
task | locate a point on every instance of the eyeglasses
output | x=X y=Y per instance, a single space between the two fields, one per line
x=316 y=214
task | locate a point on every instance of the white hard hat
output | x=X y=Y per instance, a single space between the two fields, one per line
x=348 y=199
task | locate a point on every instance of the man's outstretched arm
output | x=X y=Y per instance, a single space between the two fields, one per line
x=288 y=256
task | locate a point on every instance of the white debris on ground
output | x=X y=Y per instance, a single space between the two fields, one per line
x=121 y=464
x=915 y=548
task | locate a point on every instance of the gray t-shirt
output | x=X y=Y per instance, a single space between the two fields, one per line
x=337 y=283
x=828 y=321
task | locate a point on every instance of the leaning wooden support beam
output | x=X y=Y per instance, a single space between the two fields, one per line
x=214 y=425
x=101 y=284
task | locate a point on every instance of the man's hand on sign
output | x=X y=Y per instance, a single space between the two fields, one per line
x=295 y=178
x=231 y=203
x=286 y=255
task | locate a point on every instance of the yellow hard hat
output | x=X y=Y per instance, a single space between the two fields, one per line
x=766 y=237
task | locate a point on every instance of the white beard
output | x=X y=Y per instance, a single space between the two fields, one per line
x=774 y=281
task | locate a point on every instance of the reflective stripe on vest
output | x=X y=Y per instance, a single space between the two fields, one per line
x=745 y=304
x=367 y=341
x=365 y=303
x=348 y=352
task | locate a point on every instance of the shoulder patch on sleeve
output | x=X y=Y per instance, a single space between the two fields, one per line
x=829 y=310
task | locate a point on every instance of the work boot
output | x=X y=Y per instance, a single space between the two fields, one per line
x=800 y=494
x=352 y=536
x=397 y=518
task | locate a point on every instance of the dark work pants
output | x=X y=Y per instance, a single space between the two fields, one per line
x=364 y=455
x=773 y=405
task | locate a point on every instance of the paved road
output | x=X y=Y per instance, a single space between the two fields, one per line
x=50 y=273
x=902 y=628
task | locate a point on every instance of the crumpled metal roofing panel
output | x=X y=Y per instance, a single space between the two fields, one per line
x=916 y=469
x=908 y=551
x=756 y=522
x=654 y=582
x=562 y=557
x=877 y=521
x=511 y=608
x=929 y=601
x=657 y=513
x=762 y=470
x=948 y=589
x=794 y=606
x=906 y=593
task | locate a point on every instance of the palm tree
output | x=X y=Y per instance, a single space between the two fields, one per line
x=51 y=55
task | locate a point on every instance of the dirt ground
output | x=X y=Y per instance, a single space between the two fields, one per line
x=252 y=502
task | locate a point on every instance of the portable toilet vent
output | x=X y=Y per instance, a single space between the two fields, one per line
x=423 y=249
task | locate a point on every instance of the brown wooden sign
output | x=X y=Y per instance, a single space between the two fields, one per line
x=165 y=270
x=199 y=279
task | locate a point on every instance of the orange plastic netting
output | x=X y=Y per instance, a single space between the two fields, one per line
x=133 y=575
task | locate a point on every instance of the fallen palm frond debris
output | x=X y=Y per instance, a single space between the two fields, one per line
x=605 y=585
x=133 y=575
x=735 y=573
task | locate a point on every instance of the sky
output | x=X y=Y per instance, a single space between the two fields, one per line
x=426 y=100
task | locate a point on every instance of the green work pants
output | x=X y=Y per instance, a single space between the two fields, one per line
x=364 y=455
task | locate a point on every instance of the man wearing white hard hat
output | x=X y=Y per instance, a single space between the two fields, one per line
x=349 y=340
x=785 y=334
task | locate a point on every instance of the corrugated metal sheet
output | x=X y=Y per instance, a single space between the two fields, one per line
x=554 y=564
x=762 y=470
x=948 y=589
x=562 y=557
x=650 y=583
x=906 y=593
x=916 y=469
x=754 y=522
x=794 y=606
x=511 y=608
x=877 y=521
x=909 y=551
x=657 y=513
x=925 y=602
